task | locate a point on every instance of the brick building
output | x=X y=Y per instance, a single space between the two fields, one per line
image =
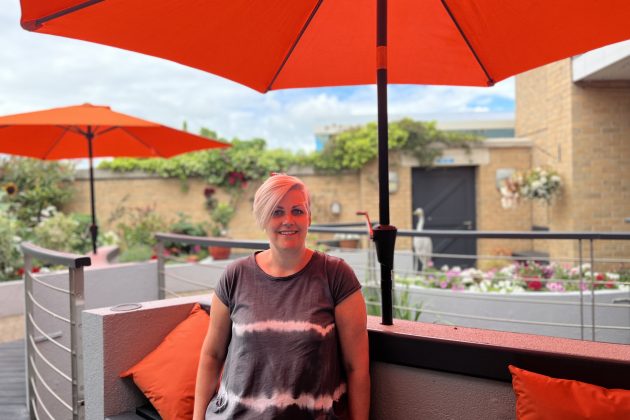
x=576 y=112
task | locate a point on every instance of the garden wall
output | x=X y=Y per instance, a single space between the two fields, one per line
x=353 y=190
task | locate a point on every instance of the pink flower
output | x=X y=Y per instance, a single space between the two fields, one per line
x=555 y=287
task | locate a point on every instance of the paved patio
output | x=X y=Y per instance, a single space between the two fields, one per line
x=12 y=381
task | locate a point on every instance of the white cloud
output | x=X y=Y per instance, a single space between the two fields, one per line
x=40 y=71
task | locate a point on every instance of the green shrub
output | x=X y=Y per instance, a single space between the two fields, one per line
x=10 y=254
x=221 y=216
x=139 y=227
x=60 y=233
x=34 y=185
x=184 y=226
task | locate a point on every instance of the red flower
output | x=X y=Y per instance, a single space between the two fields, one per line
x=208 y=192
x=600 y=277
x=35 y=270
x=20 y=271
x=534 y=284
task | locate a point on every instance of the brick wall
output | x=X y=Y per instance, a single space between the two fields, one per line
x=584 y=133
x=491 y=216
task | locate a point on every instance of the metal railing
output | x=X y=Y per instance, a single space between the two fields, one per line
x=586 y=302
x=164 y=238
x=54 y=363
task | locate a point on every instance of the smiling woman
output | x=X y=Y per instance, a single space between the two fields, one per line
x=279 y=313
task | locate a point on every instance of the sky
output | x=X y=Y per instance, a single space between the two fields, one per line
x=40 y=71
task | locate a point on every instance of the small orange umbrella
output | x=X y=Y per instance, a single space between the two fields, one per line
x=279 y=44
x=93 y=131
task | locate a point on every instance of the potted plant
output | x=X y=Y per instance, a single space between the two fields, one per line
x=185 y=226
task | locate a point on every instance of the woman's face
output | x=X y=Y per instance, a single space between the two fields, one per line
x=289 y=222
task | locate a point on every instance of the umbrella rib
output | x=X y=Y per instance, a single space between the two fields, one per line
x=55 y=143
x=490 y=80
x=297 y=40
x=75 y=129
x=37 y=23
x=107 y=130
x=148 y=146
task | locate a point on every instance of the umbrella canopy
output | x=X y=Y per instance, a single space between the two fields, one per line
x=88 y=131
x=277 y=44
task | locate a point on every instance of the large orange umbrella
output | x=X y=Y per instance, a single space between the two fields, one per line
x=88 y=131
x=277 y=44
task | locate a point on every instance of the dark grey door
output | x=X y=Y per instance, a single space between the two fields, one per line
x=447 y=196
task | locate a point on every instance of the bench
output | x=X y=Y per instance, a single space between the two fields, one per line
x=433 y=371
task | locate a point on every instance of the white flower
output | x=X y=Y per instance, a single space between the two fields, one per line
x=483 y=286
x=467 y=279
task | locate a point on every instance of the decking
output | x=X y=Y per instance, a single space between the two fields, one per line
x=12 y=381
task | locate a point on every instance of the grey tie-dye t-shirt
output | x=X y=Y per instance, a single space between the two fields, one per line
x=284 y=359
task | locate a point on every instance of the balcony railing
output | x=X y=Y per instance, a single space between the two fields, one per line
x=54 y=360
x=584 y=313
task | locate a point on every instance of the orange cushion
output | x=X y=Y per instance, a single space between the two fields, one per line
x=542 y=397
x=167 y=375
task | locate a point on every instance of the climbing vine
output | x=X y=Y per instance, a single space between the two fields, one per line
x=249 y=160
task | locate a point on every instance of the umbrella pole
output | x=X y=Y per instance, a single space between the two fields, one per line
x=384 y=233
x=93 y=227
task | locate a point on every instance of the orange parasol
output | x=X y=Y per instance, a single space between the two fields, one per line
x=88 y=131
x=277 y=44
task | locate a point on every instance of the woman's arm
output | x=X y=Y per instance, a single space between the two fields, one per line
x=213 y=352
x=351 y=321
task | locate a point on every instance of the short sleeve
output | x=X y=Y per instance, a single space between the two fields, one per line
x=225 y=287
x=344 y=282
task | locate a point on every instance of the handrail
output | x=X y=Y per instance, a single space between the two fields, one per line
x=212 y=241
x=56 y=257
x=196 y=240
x=482 y=234
x=76 y=302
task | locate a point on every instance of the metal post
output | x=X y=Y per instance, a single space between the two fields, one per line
x=77 y=304
x=93 y=227
x=592 y=290
x=580 y=262
x=161 y=275
x=28 y=309
x=384 y=233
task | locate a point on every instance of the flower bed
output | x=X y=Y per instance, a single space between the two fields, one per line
x=523 y=277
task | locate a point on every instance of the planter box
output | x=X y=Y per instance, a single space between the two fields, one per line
x=545 y=313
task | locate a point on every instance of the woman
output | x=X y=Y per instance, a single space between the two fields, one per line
x=287 y=336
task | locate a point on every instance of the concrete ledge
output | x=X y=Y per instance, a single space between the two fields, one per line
x=115 y=341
